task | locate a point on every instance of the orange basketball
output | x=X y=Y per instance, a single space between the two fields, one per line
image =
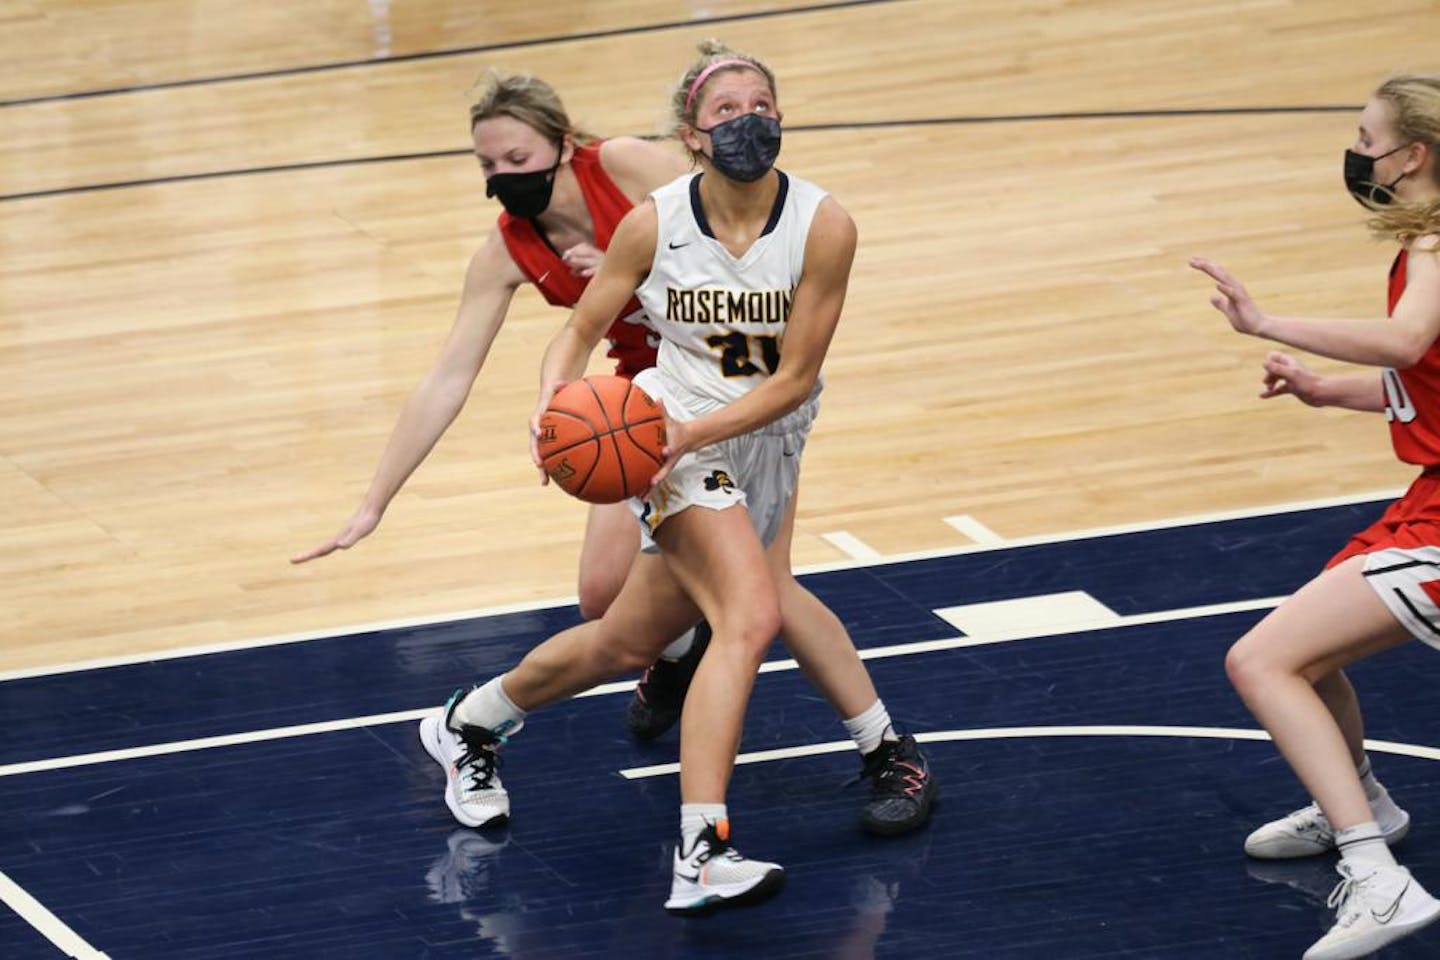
x=600 y=439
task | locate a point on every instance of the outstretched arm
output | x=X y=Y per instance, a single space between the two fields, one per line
x=490 y=283
x=1397 y=342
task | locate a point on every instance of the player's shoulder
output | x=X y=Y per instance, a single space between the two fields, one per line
x=1429 y=243
x=832 y=218
x=639 y=166
x=1423 y=261
x=637 y=230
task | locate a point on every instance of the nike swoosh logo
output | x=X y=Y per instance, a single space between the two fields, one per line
x=1389 y=914
x=676 y=246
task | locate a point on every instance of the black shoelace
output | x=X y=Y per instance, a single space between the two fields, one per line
x=480 y=758
x=714 y=846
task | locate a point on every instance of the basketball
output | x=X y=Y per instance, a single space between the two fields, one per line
x=601 y=439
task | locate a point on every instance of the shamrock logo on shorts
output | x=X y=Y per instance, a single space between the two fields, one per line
x=719 y=480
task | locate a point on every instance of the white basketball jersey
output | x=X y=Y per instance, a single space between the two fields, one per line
x=722 y=319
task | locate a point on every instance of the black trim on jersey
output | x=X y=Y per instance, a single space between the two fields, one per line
x=778 y=208
x=1399 y=566
x=697 y=210
x=1417 y=614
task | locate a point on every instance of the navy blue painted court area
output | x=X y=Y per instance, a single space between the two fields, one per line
x=1098 y=776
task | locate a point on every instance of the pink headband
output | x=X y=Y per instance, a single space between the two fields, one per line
x=704 y=75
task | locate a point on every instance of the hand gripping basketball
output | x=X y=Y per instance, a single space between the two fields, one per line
x=601 y=439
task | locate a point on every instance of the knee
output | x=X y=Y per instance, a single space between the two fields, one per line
x=628 y=659
x=624 y=651
x=1248 y=666
x=754 y=628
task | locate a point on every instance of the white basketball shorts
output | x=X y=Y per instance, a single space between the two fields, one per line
x=757 y=470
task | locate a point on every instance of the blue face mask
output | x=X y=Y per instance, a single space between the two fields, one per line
x=745 y=148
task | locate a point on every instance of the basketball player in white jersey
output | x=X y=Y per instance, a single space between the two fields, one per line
x=733 y=263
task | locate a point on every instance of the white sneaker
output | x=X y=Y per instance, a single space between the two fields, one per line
x=1372 y=911
x=1306 y=833
x=713 y=875
x=471 y=759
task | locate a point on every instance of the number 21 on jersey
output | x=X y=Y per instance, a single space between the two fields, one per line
x=735 y=353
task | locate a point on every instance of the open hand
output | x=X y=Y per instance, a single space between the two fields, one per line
x=1231 y=298
x=356 y=529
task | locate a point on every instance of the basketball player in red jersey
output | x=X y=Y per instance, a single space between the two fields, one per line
x=1382 y=588
x=563 y=192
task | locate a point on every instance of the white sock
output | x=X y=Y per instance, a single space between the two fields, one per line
x=490 y=707
x=1387 y=812
x=695 y=817
x=870 y=727
x=1373 y=790
x=679 y=646
x=1363 y=847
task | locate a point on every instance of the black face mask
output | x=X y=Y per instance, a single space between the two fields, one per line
x=745 y=148
x=1360 y=179
x=524 y=195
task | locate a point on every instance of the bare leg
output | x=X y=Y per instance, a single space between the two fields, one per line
x=716 y=556
x=649 y=611
x=815 y=637
x=1334 y=688
x=1329 y=623
x=612 y=539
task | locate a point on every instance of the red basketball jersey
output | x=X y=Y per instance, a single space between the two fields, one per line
x=1412 y=395
x=632 y=344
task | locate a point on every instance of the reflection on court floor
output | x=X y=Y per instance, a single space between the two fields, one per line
x=1097 y=779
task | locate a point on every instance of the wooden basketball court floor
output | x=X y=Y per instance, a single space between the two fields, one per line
x=231 y=239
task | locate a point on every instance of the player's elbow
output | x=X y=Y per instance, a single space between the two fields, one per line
x=796 y=387
x=445 y=390
x=1408 y=351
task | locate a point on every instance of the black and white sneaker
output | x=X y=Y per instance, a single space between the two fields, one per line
x=1372 y=911
x=1306 y=832
x=660 y=694
x=712 y=874
x=902 y=789
x=471 y=758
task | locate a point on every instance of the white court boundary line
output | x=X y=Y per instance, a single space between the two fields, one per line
x=624 y=686
x=1018 y=733
x=554 y=602
x=975 y=530
x=33 y=912
x=852 y=546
